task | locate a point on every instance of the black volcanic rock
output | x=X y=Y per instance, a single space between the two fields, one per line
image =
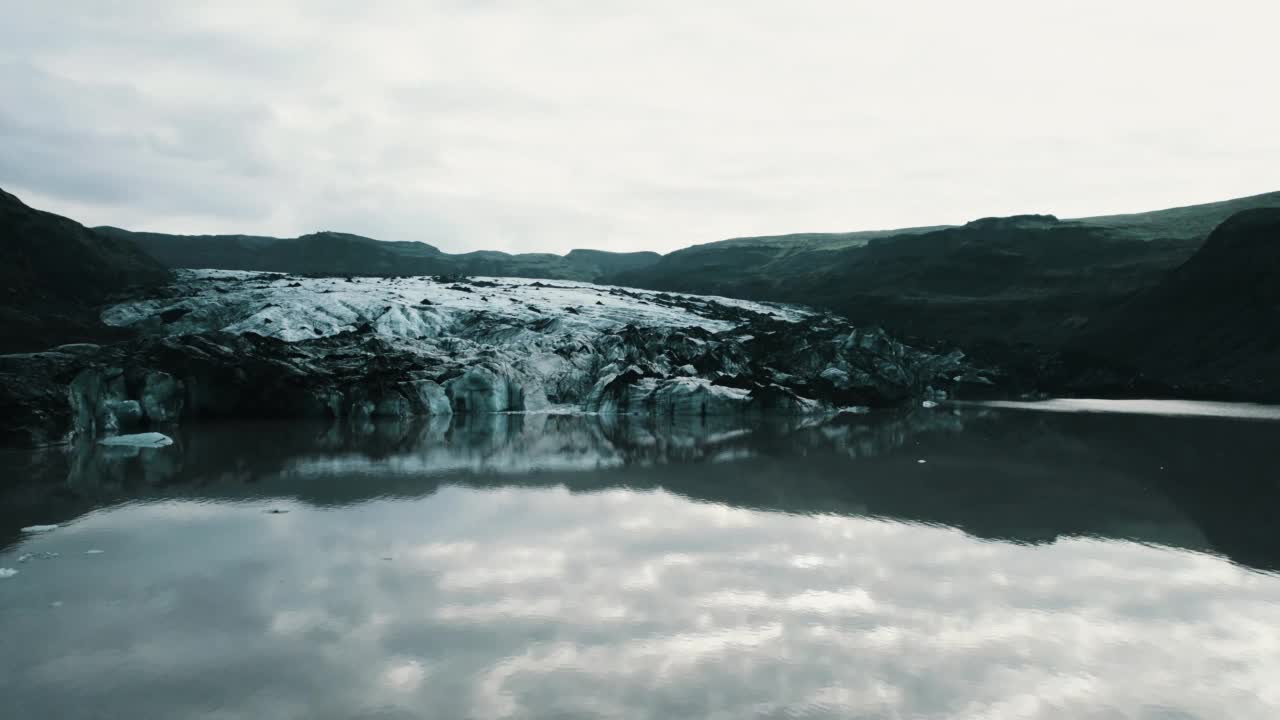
x=1212 y=325
x=54 y=272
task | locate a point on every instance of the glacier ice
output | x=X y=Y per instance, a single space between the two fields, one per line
x=142 y=440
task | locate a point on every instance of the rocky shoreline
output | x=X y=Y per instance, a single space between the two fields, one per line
x=261 y=345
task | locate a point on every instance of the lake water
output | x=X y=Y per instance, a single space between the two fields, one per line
x=948 y=563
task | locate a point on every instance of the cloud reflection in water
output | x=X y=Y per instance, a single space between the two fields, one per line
x=651 y=590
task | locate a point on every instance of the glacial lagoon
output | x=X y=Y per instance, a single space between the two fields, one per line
x=950 y=562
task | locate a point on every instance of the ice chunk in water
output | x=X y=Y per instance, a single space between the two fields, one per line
x=39 y=528
x=151 y=439
x=37 y=556
x=7 y=572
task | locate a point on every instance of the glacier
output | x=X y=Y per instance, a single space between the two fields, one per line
x=219 y=343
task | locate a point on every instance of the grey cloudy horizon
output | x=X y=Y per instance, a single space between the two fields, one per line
x=532 y=127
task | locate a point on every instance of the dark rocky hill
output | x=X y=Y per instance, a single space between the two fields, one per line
x=55 y=272
x=1213 y=323
x=1031 y=279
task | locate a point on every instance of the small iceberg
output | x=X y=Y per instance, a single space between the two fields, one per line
x=39 y=528
x=37 y=556
x=146 y=440
x=94 y=551
x=7 y=572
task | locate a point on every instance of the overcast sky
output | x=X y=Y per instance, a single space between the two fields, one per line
x=556 y=124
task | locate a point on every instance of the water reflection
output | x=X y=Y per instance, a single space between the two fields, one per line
x=1034 y=566
x=1004 y=475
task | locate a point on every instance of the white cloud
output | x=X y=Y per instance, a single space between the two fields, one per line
x=548 y=126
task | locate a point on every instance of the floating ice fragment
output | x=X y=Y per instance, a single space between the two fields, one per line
x=929 y=404
x=39 y=528
x=7 y=572
x=94 y=551
x=55 y=604
x=37 y=556
x=922 y=461
x=151 y=439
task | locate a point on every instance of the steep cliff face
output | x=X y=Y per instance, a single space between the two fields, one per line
x=237 y=344
x=54 y=272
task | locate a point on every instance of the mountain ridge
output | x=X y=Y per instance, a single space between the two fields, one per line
x=1021 y=292
x=1032 y=279
x=341 y=253
x=1189 y=223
